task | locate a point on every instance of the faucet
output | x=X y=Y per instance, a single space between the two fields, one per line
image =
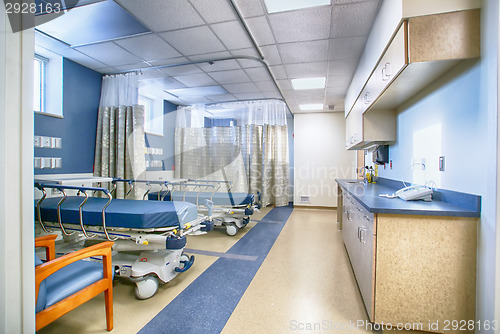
x=364 y=169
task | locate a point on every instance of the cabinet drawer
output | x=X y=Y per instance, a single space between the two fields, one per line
x=366 y=218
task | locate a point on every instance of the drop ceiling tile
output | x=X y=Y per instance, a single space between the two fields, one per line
x=309 y=70
x=266 y=86
x=258 y=74
x=152 y=74
x=230 y=77
x=271 y=95
x=170 y=61
x=181 y=70
x=109 y=53
x=249 y=96
x=278 y=72
x=247 y=52
x=310 y=94
x=240 y=88
x=336 y=91
x=250 y=63
x=288 y=94
x=261 y=32
x=133 y=67
x=214 y=10
x=310 y=101
x=195 y=100
x=232 y=35
x=354 y=19
x=271 y=54
x=193 y=41
x=222 y=65
x=343 y=2
x=82 y=59
x=195 y=80
x=342 y=67
x=303 y=52
x=346 y=48
x=210 y=56
x=338 y=81
x=301 y=25
x=222 y=98
x=284 y=84
x=106 y=70
x=163 y=15
x=148 y=47
x=249 y=8
x=163 y=83
x=49 y=43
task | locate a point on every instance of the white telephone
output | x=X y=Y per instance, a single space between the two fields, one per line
x=413 y=193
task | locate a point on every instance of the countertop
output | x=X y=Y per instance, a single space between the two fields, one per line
x=444 y=203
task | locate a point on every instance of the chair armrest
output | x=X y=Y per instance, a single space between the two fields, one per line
x=48 y=268
x=49 y=243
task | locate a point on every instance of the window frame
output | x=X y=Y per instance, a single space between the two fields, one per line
x=43 y=61
x=150 y=114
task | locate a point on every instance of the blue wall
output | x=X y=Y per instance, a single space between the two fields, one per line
x=166 y=142
x=81 y=94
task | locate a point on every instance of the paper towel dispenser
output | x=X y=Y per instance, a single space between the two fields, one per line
x=381 y=155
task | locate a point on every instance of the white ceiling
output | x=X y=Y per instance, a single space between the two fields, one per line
x=321 y=41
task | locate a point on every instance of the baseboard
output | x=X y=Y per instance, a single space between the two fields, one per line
x=315 y=207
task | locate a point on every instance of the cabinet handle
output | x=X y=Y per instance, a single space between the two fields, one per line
x=366 y=218
x=367 y=98
x=361 y=235
x=358 y=209
x=386 y=72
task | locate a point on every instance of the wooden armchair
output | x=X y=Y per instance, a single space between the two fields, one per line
x=65 y=283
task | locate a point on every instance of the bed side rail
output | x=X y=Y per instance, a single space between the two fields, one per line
x=82 y=189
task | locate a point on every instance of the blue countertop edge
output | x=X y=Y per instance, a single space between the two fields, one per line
x=444 y=203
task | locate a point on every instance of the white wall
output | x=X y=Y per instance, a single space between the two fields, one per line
x=17 y=293
x=320 y=157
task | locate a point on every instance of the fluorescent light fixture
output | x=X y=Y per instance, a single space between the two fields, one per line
x=314 y=106
x=309 y=83
x=275 y=6
x=197 y=91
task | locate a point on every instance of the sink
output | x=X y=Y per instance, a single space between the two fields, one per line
x=359 y=182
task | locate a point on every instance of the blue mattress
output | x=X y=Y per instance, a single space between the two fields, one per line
x=227 y=199
x=120 y=213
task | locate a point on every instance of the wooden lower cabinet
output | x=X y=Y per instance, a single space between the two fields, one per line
x=423 y=267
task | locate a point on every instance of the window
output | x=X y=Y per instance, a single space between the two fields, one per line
x=48 y=83
x=39 y=84
x=153 y=115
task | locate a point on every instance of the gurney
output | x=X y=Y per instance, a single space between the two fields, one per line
x=149 y=236
x=229 y=209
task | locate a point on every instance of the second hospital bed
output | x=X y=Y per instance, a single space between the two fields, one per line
x=149 y=236
x=230 y=209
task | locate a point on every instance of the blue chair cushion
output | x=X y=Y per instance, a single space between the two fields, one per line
x=69 y=280
x=42 y=296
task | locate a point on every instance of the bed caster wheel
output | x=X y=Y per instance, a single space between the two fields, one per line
x=146 y=288
x=246 y=221
x=231 y=229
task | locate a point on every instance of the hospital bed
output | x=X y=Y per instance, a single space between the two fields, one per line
x=149 y=236
x=229 y=209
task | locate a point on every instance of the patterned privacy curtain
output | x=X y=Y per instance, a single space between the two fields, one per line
x=245 y=143
x=120 y=139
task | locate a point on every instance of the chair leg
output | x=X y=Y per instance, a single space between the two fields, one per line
x=108 y=300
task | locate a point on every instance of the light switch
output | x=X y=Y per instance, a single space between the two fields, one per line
x=37 y=141
x=46 y=163
x=56 y=163
x=56 y=142
x=46 y=141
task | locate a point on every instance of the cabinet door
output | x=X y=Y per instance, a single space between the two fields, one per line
x=366 y=268
x=354 y=125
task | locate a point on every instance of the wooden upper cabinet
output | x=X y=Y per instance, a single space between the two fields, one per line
x=421 y=50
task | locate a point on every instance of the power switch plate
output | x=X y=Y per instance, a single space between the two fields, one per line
x=441 y=164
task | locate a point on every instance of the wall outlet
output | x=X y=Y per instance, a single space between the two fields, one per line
x=46 y=141
x=37 y=141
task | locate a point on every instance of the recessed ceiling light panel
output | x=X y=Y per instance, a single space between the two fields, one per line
x=276 y=6
x=309 y=83
x=197 y=91
x=314 y=106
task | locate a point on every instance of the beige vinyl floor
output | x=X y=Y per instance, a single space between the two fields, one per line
x=304 y=285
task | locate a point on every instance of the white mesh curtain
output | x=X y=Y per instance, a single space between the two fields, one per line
x=120 y=133
x=249 y=148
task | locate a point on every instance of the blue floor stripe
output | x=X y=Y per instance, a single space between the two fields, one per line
x=206 y=304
